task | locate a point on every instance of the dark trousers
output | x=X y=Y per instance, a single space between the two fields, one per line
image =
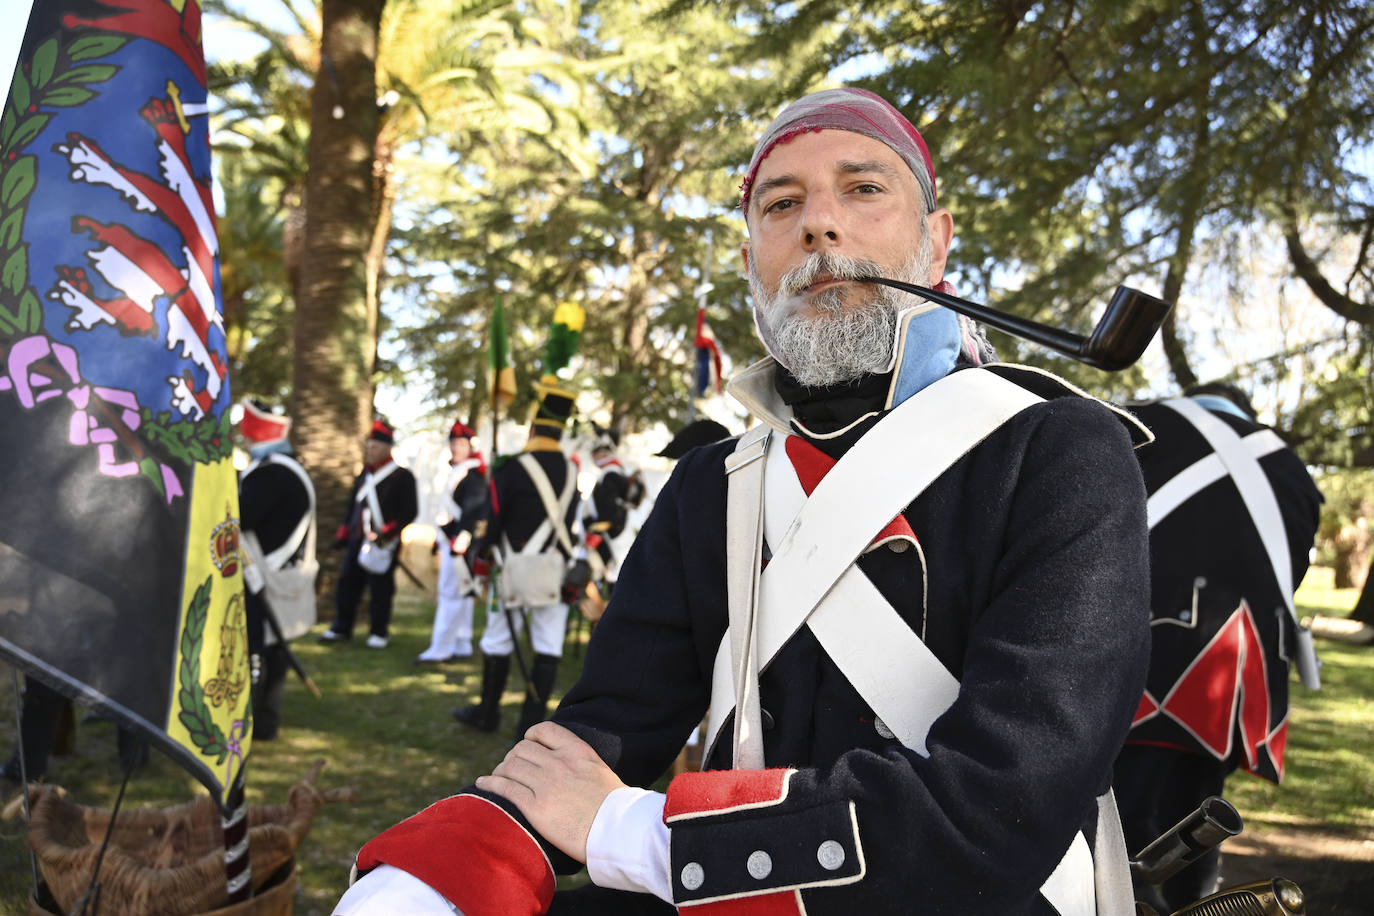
x=40 y=719
x=40 y=714
x=352 y=580
x=1156 y=787
x=268 y=690
x=269 y=676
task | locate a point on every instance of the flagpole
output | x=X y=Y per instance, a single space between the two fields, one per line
x=495 y=422
x=502 y=375
x=238 y=875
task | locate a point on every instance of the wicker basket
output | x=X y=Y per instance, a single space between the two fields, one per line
x=169 y=861
x=275 y=898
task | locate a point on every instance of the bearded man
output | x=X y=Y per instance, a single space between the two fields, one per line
x=914 y=599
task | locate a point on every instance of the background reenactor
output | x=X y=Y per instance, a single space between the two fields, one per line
x=382 y=502
x=1233 y=514
x=277 y=516
x=465 y=502
x=534 y=505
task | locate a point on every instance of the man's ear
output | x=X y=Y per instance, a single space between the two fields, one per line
x=941 y=227
x=744 y=256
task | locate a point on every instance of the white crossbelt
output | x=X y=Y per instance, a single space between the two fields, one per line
x=368 y=493
x=815 y=554
x=279 y=557
x=456 y=474
x=1255 y=491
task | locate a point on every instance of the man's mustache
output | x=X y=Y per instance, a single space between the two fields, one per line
x=826 y=265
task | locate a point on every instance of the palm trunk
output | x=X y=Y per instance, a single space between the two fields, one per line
x=384 y=202
x=334 y=346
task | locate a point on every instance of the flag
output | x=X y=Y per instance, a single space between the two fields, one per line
x=708 y=357
x=120 y=580
x=502 y=374
x=564 y=333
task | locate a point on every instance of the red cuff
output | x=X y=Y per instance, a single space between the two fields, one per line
x=342 y=533
x=481 y=568
x=389 y=530
x=471 y=851
x=593 y=541
x=722 y=791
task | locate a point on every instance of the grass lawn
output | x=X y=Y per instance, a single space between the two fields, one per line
x=383 y=727
x=1330 y=760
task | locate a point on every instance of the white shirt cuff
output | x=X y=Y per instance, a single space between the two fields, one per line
x=627 y=847
x=387 y=890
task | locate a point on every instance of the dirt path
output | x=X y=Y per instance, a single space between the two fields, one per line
x=1335 y=870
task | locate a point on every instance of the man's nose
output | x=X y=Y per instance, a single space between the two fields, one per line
x=821 y=222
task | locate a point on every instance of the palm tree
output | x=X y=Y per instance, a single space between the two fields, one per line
x=333 y=349
x=391 y=83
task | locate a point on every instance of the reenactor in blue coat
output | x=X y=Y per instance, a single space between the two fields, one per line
x=914 y=599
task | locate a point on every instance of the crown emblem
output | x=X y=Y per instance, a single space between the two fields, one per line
x=224 y=544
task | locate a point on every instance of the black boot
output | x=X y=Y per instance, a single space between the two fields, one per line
x=536 y=707
x=485 y=714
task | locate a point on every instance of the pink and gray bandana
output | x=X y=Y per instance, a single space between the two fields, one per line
x=858 y=111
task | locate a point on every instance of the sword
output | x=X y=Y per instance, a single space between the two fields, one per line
x=500 y=601
x=410 y=575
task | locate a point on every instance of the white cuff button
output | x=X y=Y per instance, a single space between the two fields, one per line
x=693 y=876
x=830 y=854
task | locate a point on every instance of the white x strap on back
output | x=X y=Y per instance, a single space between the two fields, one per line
x=1244 y=467
x=1204 y=472
x=555 y=507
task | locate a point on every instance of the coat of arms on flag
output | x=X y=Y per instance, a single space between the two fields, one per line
x=119 y=567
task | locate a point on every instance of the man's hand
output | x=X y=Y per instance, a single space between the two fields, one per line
x=558 y=782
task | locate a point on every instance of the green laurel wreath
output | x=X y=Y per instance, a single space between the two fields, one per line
x=51 y=81
x=206 y=440
x=195 y=714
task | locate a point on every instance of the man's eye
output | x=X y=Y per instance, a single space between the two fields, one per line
x=867 y=188
x=779 y=205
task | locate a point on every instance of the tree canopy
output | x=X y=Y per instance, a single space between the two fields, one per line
x=1214 y=152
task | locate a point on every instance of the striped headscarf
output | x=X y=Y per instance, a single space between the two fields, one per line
x=857 y=111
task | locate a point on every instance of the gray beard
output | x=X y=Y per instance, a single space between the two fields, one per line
x=838 y=343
